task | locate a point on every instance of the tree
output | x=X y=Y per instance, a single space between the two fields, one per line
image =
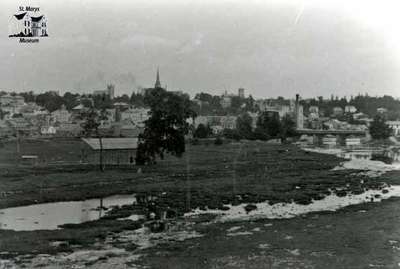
x=137 y=100
x=102 y=101
x=288 y=127
x=50 y=101
x=91 y=122
x=28 y=96
x=244 y=126
x=250 y=103
x=70 y=100
x=269 y=124
x=165 y=130
x=202 y=131
x=379 y=129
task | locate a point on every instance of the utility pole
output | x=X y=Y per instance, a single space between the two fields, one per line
x=18 y=147
x=101 y=154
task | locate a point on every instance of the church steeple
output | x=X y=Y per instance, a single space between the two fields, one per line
x=158 y=83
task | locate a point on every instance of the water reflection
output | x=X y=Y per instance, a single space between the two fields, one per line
x=50 y=215
x=386 y=155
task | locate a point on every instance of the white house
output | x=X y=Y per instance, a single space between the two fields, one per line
x=24 y=24
x=381 y=110
x=337 y=111
x=313 y=109
x=61 y=115
x=48 y=130
x=136 y=115
x=350 y=109
x=395 y=125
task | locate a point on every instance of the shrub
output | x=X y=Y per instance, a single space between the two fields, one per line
x=218 y=141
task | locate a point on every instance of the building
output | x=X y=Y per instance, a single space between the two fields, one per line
x=352 y=141
x=69 y=129
x=226 y=101
x=359 y=115
x=313 y=109
x=12 y=100
x=381 y=110
x=23 y=127
x=129 y=130
x=283 y=107
x=61 y=115
x=26 y=25
x=5 y=129
x=216 y=123
x=135 y=115
x=350 y=109
x=395 y=125
x=337 y=111
x=241 y=92
x=115 y=151
x=48 y=130
x=79 y=109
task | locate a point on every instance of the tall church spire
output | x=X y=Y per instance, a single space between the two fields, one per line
x=158 y=83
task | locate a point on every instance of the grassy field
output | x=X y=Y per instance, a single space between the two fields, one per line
x=207 y=175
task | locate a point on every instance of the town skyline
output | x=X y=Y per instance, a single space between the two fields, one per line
x=276 y=48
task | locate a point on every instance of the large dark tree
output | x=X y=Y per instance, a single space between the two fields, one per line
x=268 y=124
x=202 y=131
x=244 y=126
x=379 y=129
x=166 y=128
x=50 y=101
x=70 y=100
x=102 y=101
x=91 y=122
x=28 y=96
x=137 y=100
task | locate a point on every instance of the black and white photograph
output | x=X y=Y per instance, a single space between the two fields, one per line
x=190 y=134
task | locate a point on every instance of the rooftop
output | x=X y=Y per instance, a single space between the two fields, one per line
x=20 y=16
x=37 y=19
x=112 y=143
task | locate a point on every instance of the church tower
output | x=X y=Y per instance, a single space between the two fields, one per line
x=158 y=83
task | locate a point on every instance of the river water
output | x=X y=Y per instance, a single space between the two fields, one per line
x=49 y=216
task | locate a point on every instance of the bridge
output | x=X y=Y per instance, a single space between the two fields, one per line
x=340 y=135
x=331 y=132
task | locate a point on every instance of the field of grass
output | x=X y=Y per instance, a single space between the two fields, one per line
x=207 y=175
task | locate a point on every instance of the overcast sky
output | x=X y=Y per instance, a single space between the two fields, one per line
x=271 y=48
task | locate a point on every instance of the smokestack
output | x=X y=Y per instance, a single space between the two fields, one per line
x=298 y=113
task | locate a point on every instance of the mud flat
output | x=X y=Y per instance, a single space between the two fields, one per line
x=265 y=210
